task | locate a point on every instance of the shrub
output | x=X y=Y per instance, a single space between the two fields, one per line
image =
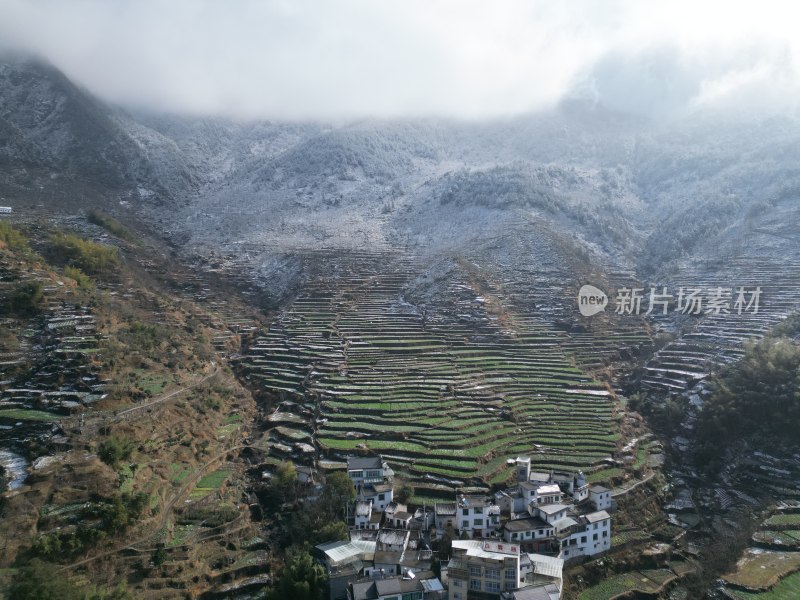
x=25 y=298
x=115 y=450
x=111 y=225
x=82 y=279
x=145 y=336
x=12 y=238
x=41 y=581
x=89 y=257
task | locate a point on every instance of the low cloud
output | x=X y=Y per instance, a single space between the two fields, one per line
x=302 y=59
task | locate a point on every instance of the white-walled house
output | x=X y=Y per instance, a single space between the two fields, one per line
x=532 y=533
x=600 y=497
x=584 y=535
x=549 y=513
x=400 y=520
x=482 y=568
x=362 y=514
x=368 y=470
x=535 y=493
x=477 y=516
x=380 y=494
x=581 y=489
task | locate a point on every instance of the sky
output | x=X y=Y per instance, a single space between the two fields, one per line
x=331 y=59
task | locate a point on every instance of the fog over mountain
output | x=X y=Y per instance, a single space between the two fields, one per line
x=354 y=59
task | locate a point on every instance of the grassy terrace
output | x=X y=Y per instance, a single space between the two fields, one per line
x=24 y=414
x=453 y=396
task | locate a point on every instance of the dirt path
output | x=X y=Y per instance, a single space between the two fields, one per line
x=623 y=491
x=168 y=396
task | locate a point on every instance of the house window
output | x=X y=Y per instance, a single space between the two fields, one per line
x=528 y=534
x=492 y=573
x=381 y=496
x=478 y=510
x=566 y=552
x=594 y=537
x=478 y=522
x=465 y=524
x=475 y=584
x=465 y=511
x=456 y=595
x=541 y=532
x=605 y=534
x=583 y=539
x=474 y=571
x=595 y=526
x=514 y=536
x=457 y=582
x=493 y=586
x=511 y=574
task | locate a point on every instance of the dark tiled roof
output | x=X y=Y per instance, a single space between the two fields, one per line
x=357 y=463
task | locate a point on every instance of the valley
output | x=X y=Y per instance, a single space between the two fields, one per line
x=197 y=310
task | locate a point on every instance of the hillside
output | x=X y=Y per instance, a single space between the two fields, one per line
x=115 y=398
x=192 y=302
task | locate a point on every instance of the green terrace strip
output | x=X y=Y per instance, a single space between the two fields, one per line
x=788 y=587
x=645 y=581
x=788 y=521
x=22 y=414
x=209 y=483
x=453 y=396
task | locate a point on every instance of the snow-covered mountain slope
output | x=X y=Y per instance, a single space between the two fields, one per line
x=624 y=191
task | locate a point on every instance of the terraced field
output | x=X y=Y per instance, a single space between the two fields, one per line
x=446 y=393
x=718 y=339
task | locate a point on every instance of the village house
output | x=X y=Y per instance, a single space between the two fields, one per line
x=476 y=516
x=362 y=514
x=423 y=519
x=584 y=535
x=600 y=497
x=444 y=516
x=496 y=569
x=482 y=566
x=392 y=508
x=556 y=512
x=344 y=562
x=380 y=495
x=531 y=533
x=372 y=479
x=368 y=470
x=421 y=586
x=541 y=578
x=400 y=520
